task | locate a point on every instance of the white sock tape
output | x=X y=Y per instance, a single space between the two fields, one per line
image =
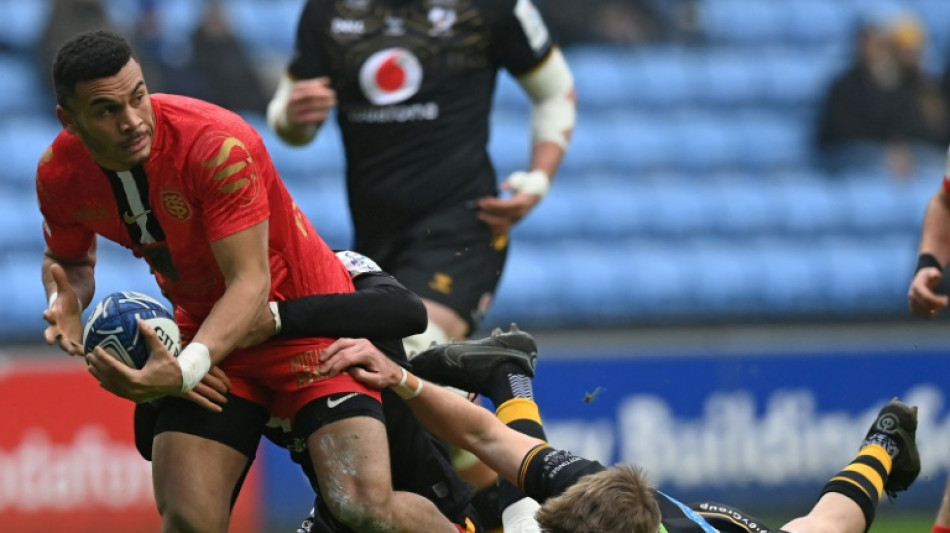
x=403 y=390
x=195 y=362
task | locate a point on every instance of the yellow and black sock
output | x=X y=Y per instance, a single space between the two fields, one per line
x=522 y=415
x=863 y=480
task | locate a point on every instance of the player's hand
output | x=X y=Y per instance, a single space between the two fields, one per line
x=501 y=214
x=924 y=302
x=64 y=316
x=361 y=360
x=161 y=375
x=214 y=387
x=310 y=102
x=262 y=329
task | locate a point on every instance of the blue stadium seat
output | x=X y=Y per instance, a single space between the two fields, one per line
x=599 y=76
x=817 y=22
x=645 y=142
x=25 y=138
x=21 y=220
x=794 y=277
x=23 y=90
x=725 y=277
x=524 y=293
x=658 y=77
x=268 y=29
x=869 y=275
x=741 y=22
x=24 y=22
x=799 y=77
x=731 y=78
x=741 y=206
x=509 y=143
x=21 y=315
x=808 y=204
x=772 y=141
x=510 y=98
x=705 y=142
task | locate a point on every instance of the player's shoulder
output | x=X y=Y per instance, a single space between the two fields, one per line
x=201 y=128
x=64 y=156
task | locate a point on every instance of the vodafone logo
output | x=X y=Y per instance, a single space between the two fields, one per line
x=390 y=76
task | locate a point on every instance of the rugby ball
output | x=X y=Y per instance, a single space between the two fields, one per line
x=113 y=325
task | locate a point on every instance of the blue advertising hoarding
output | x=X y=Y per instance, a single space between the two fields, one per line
x=763 y=431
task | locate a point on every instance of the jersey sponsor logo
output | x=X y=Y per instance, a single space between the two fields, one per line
x=347 y=26
x=331 y=403
x=129 y=218
x=398 y=113
x=532 y=24
x=390 y=76
x=175 y=205
x=442 y=20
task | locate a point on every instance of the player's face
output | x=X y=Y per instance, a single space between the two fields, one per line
x=113 y=117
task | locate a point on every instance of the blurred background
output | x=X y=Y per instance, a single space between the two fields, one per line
x=717 y=278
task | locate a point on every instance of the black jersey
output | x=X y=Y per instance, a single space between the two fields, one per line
x=414 y=82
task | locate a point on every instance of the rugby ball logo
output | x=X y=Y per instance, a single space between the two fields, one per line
x=390 y=76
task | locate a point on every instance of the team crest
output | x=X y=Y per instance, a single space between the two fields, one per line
x=175 y=205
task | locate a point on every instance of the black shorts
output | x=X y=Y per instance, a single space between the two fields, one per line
x=450 y=257
x=239 y=425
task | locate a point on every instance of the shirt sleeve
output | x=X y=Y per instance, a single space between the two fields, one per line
x=380 y=308
x=308 y=60
x=65 y=237
x=522 y=36
x=229 y=171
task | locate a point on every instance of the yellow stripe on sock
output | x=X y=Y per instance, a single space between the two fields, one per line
x=878 y=452
x=851 y=482
x=526 y=461
x=518 y=409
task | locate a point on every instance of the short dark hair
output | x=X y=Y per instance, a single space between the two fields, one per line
x=88 y=56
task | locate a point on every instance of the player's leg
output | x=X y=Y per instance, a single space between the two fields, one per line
x=451 y=260
x=942 y=522
x=351 y=459
x=199 y=458
x=887 y=462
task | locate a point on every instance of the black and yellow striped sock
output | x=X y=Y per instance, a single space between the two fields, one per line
x=522 y=415
x=863 y=480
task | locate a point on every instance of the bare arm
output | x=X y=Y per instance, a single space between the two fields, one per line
x=73 y=283
x=445 y=414
x=934 y=240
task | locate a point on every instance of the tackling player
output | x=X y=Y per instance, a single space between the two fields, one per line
x=582 y=496
x=412 y=82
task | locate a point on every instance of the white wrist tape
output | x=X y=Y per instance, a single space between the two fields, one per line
x=276 y=312
x=531 y=182
x=55 y=295
x=195 y=362
x=403 y=390
x=277 y=116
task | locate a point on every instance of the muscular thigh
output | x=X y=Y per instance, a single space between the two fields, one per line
x=449 y=258
x=351 y=460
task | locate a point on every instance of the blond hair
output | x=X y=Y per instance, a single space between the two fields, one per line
x=616 y=499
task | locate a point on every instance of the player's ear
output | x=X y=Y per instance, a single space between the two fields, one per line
x=66 y=119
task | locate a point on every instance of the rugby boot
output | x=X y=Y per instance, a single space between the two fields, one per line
x=897 y=422
x=468 y=365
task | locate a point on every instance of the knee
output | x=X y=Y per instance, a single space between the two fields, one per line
x=183 y=518
x=362 y=508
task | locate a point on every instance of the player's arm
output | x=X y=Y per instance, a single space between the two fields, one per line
x=525 y=48
x=380 y=308
x=445 y=414
x=933 y=255
x=304 y=97
x=70 y=285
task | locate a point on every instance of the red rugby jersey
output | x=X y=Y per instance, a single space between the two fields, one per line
x=208 y=176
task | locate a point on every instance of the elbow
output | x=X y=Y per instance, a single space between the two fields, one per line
x=416 y=317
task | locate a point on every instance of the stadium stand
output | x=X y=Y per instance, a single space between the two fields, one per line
x=690 y=193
